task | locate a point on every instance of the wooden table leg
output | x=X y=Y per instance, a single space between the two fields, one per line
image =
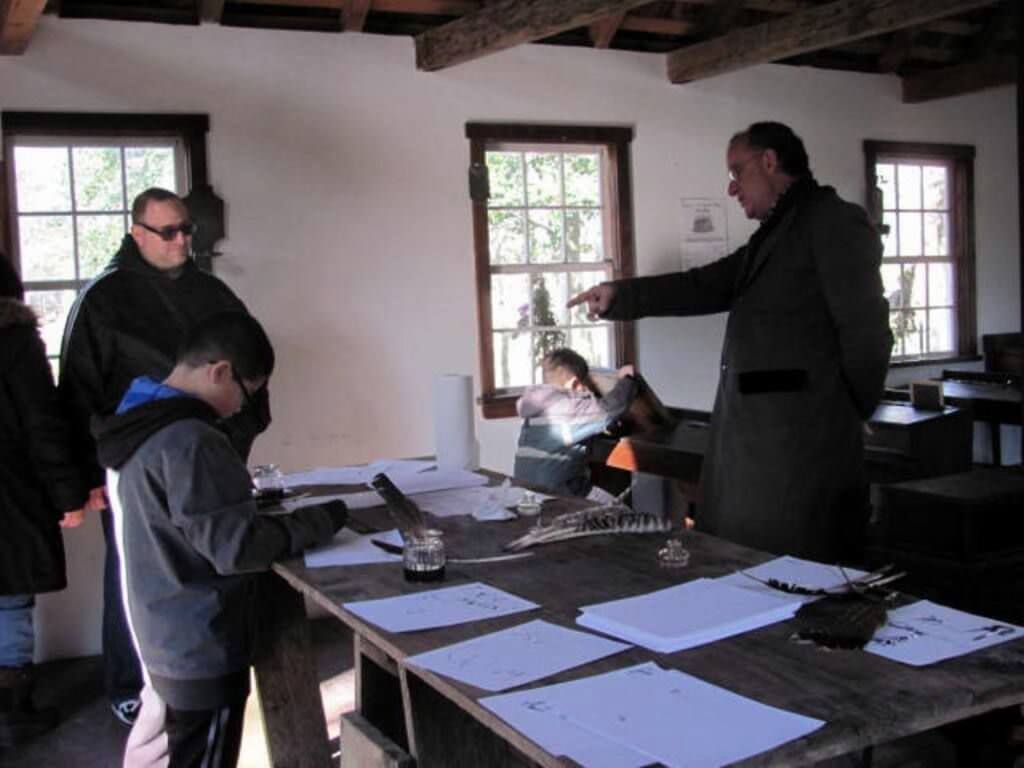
x=289 y=692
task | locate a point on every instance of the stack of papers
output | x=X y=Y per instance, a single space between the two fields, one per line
x=688 y=615
x=924 y=632
x=517 y=655
x=644 y=714
x=439 y=607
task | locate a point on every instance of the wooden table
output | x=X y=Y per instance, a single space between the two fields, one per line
x=865 y=699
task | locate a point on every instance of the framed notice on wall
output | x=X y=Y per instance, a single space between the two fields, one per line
x=704 y=236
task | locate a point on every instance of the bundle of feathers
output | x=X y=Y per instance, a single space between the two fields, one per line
x=593 y=521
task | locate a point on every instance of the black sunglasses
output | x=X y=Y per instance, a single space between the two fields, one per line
x=168 y=233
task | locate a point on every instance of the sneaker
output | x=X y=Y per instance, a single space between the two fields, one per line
x=127 y=711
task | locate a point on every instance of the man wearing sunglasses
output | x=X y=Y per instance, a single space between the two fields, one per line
x=128 y=322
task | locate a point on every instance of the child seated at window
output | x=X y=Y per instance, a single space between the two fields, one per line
x=559 y=416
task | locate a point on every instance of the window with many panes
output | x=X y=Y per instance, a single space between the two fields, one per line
x=552 y=220
x=922 y=200
x=69 y=200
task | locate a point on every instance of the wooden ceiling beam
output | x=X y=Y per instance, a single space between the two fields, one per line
x=211 y=10
x=658 y=26
x=875 y=49
x=505 y=24
x=946 y=27
x=988 y=72
x=824 y=26
x=17 y=24
x=355 y=15
x=718 y=17
x=990 y=34
x=896 y=50
x=602 y=31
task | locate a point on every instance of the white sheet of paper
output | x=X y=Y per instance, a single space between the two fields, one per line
x=482 y=502
x=792 y=570
x=358 y=474
x=663 y=715
x=517 y=655
x=925 y=632
x=552 y=730
x=349 y=548
x=439 y=607
x=687 y=615
x=440 y=479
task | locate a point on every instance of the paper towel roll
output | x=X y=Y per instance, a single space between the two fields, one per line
x=454 y=421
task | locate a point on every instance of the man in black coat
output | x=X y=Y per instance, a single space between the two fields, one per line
x=804 y=360
x=126 y=323
x=40 y=489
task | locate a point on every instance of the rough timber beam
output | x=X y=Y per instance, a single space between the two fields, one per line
x=17 y=23
x=355 y=15
x=987 y=72
x=211 y=11
x=508 y=23
x=603 y=31
x=824 y=26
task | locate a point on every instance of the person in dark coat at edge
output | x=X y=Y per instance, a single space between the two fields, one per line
x=129 y=322
x=804 y=360
x=40 y=490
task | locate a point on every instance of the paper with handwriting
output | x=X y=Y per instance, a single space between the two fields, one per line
x=517 y=655
x=439 y=607
x=925 y=632
x=644 y=714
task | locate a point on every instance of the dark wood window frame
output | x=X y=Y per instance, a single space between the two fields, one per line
x=190 y=128
x=961 y=157
x=497 y=403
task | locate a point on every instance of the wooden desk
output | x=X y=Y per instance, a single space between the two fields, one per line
x=991 y=403
x=866 y=700
x=905 y=443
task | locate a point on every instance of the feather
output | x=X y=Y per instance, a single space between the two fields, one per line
x=407 y=517
x=608 y=518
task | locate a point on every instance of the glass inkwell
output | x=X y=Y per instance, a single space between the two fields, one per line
x=529 y=505
x=423 y=556
x=673 y=554
x=267 y=482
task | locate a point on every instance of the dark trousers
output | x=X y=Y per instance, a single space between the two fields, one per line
x=208 y=738
x=122 y=675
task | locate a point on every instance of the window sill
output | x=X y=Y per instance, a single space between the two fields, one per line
x=920 y=361
x=498 y=406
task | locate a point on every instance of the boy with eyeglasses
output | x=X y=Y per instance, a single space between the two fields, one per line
x=192 y=541
x=126 y=323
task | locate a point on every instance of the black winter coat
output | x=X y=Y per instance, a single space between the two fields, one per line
x=126 y=323
x=803 y=366
x=38 y=481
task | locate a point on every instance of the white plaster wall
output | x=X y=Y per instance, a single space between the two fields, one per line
x=349 y=236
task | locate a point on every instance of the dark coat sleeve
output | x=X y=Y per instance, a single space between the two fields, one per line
x=209 y=500
x=847 y=255
x=33 y=394
x=81 y=389
x=699 y=291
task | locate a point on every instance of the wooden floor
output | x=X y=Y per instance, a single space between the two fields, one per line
x=89 y=736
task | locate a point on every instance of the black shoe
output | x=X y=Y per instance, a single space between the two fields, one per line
x=126 y=710
x=20 y=721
